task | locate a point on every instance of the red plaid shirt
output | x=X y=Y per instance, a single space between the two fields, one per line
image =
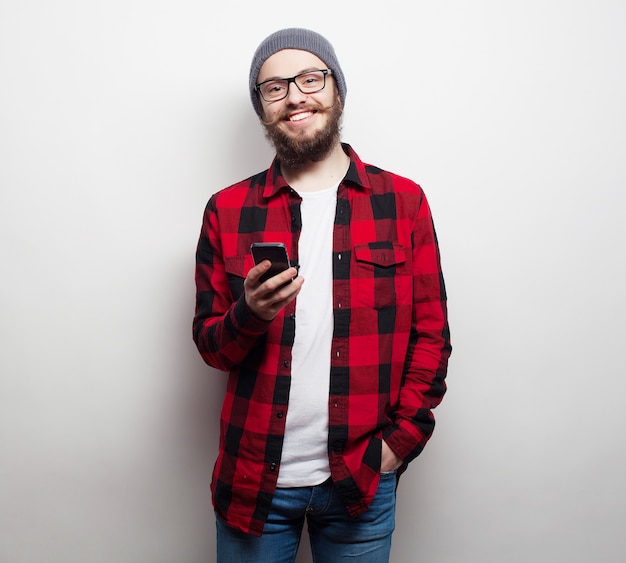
x=390 y=343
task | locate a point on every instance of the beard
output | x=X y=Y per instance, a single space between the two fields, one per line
x=295 y=151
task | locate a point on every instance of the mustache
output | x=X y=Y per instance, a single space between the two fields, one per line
x=283 y=115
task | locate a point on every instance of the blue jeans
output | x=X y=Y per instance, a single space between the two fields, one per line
x=334 y=535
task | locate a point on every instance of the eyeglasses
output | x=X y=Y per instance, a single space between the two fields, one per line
x=308 y=82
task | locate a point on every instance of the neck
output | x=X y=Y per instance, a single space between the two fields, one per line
x=315 y=176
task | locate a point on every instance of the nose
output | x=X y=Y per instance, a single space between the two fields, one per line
x=293 y=93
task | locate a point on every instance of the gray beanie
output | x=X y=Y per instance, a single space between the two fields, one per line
x=295 y=38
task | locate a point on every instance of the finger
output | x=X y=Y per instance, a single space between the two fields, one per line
x=257 y=271
x=267 y=304
x=279 y=280
x=280 y=297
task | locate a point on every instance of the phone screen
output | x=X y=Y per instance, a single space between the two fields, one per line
x=275 y=252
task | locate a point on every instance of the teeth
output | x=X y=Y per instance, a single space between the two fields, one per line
x=299 y=116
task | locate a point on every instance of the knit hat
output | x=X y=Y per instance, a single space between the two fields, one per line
x=295 y=38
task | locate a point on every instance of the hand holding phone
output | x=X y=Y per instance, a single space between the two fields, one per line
x=267 y=303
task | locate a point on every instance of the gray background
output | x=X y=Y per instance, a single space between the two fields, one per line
x=118 y=119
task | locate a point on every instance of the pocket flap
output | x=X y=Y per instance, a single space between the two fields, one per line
x=382 y=254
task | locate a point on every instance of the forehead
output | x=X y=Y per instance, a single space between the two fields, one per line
x=289 y=62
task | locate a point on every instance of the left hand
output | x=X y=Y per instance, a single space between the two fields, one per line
x=389 y=461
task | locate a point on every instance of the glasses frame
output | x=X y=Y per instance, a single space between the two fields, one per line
x=325 y=71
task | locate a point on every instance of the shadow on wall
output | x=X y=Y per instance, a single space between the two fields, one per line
x=243 y=149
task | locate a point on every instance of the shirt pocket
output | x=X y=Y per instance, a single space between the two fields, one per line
x=237 y=268
x=382 y=274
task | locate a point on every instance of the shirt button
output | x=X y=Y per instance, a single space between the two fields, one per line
x=272 y=467
x=286 y=363
x=292 y=316
x=280 y=414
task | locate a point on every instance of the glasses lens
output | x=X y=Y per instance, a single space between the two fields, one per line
x=274 y=90
x=311 y=81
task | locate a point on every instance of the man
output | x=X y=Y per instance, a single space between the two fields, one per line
x=333 y=375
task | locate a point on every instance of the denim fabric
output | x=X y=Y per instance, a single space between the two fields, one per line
x=333 y=534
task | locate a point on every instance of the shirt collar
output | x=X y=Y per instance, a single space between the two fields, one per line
x=356 y=175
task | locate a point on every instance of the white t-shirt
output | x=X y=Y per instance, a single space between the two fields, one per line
x=304 y=459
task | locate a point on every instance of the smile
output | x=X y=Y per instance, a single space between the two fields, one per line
x=300 y=116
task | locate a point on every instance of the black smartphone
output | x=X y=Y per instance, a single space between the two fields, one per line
x=275 y=252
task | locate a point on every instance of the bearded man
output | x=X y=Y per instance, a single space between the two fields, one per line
x=336 y=363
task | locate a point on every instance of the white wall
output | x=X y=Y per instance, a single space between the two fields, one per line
x=118 y=119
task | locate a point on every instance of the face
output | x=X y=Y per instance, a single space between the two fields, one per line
x=302 y=127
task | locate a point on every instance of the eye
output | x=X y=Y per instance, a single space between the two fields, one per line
x=310 y=79
x=273 y=89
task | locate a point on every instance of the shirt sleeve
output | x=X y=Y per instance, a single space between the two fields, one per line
x=224 y=328
x=423 y=382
